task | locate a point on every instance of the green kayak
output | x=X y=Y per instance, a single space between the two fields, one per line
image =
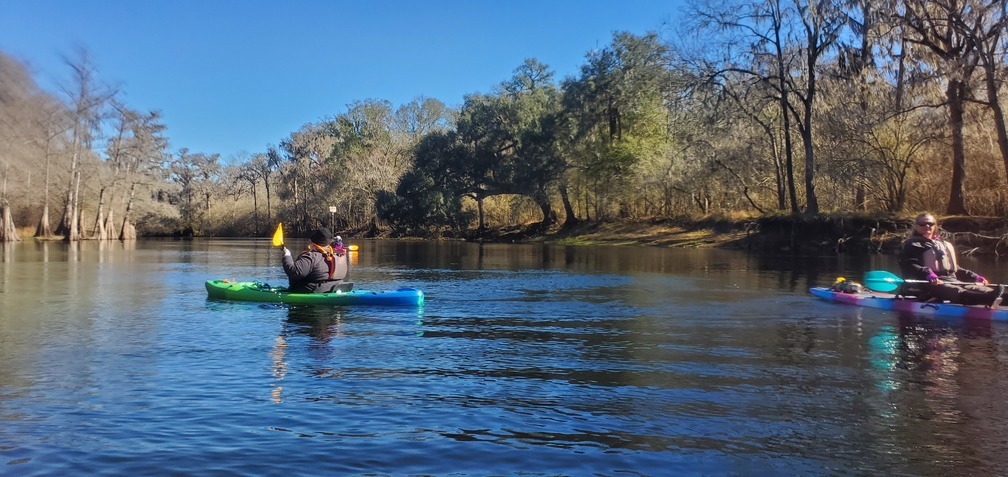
x=261 y=292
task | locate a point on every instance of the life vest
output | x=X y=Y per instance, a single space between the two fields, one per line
x=940 y=258
x=328 y=254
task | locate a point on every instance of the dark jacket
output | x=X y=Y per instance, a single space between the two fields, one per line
x=921 y=256
x=309 y=272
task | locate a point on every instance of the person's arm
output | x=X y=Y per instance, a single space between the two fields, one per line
x=911 y=262
x=298 y=269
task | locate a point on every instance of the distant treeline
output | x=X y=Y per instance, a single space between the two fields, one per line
x=744 y=108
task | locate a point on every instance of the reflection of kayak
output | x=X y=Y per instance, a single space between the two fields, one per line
x=255 y=291
x=888 y=301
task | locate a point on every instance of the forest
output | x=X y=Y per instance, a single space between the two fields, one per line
x=748 y=108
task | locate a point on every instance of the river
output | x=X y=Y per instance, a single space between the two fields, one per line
x=524 y=360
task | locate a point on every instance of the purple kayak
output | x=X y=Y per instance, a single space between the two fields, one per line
x=888 y=301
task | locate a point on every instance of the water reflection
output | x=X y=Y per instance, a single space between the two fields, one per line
x=321 y=323
x=278 y=355
x=943 y=383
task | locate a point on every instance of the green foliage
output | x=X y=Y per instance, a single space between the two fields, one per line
x=428 y=198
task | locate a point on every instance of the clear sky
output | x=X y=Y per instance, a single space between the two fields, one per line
x=239 y=75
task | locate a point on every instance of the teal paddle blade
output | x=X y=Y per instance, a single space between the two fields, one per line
x=881 y=280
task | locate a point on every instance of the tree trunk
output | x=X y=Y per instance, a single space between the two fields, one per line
x=542 y=200
x=480 y=210
x=98 y=232
x=43 y=230
x=255 y=211
x=69 y=227
x=128 y=231
x=8 y=232
x=811 y=201
x=107 y=233
x=788 y=147
x=571 y=218
x=68 y=212
x=999 y=117
x=269 y=209
x=957 y=196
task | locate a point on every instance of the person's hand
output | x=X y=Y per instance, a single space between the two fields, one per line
x=286 y=252
x=933 y=278
x=982 y=281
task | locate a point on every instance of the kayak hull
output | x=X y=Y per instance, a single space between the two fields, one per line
x=258 y=292
x=888 y=301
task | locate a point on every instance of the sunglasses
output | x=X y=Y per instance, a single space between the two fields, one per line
x=926 y=224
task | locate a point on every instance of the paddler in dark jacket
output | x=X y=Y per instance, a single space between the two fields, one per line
x=926 y=257
x=318 y=269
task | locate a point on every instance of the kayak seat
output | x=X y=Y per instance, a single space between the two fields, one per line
x=342 y=267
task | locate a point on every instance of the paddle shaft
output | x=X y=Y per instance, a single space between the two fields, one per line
x=890 y=281
x=952 y=282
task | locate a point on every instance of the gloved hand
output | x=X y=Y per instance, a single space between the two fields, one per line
x=286 y=252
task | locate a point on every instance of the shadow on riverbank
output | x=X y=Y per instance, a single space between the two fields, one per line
x=800 y=234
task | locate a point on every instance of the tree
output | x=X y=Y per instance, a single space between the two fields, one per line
x=248 y=172
x=55 y=124
x=196 y=174
x=822 y=22
x=511 y=137
x=143 y=151
x=427 y=199
x=88 y=99
x=934 y=25
x=988 y=32
x=615 y=121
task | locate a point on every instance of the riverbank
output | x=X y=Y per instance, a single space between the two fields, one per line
x=772 y=234
x=799 y=234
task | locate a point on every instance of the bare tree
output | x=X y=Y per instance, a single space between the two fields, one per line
x=988 y=33
x=87 y=100
x=766 y=57
x=55 y=124
x=936 y=27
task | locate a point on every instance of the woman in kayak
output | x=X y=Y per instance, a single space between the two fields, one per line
x=318 y=269
x=926 y=257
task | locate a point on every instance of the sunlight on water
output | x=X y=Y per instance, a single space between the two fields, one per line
x=534 y=360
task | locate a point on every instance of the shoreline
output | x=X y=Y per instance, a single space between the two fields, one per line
x=779 y=234
x=769 y=234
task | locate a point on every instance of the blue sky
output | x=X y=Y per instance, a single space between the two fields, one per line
x=239 y=75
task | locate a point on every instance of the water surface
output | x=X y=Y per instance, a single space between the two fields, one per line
x=525 y=359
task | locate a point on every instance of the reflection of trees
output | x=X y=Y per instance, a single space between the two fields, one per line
x=279 y=354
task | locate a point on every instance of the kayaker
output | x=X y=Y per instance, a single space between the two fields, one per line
x=926 y=257
x=337 y=246
x=318 y=269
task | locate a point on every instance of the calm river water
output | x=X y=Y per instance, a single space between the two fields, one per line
x=525 y=360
